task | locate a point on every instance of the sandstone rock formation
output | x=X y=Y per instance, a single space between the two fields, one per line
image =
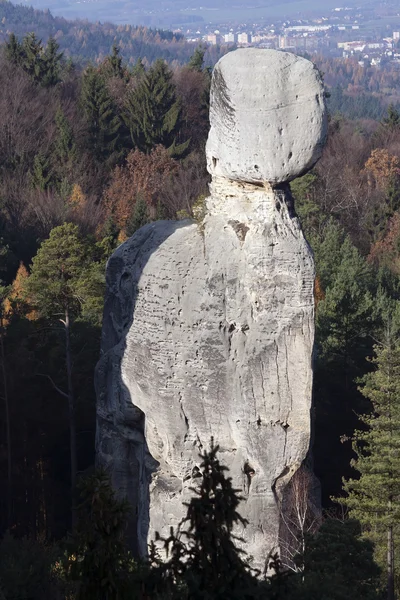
x=209 y=327
x=267 y=117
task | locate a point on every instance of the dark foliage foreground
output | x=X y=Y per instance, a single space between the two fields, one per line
x=203 y=559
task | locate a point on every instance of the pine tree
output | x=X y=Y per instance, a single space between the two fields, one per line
x=374 y=497
x=153 y=112
x=57 y=285
x=104 y=125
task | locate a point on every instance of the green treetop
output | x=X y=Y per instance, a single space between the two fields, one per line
x=64 y=147
x=102 y=119
x=32 y=61
x=64 y=281
x=374 y=497
x=392 y=120
x=51 y=59
x=197 y=59
x=115 y=63
x=153 y=112
x=13 y=49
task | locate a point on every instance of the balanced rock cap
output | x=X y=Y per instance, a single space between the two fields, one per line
x=268 y=116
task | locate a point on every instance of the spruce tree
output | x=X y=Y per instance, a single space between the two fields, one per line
x=51 y=64
x=374 y=497
x=196 y=61
x=41 y=176
x=138 y=69
x=392 y=119
x=13 y=49
x=115 y=63
x=104 y=125
x=139 y=217
x=205 y=560
x=153 y=112
x=64 y=152
x=32 y=57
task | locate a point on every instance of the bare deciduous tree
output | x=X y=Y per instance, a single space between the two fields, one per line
x=300 y=516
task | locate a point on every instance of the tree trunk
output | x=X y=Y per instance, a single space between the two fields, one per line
x=71 y=409
x=8 y=427
x=390 y=564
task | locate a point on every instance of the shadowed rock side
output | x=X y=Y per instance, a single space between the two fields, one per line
x=208 y=331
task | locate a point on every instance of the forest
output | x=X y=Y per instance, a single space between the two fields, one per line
x=82 y=40
x=88 y=154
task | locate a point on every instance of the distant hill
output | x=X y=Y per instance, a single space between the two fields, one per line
x=187 y=13
x=83 y=40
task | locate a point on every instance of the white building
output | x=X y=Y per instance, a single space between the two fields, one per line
x=229 y=38
x=243 y=38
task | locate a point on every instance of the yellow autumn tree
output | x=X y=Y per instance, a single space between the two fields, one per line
x=77 y=199
x=16 y=301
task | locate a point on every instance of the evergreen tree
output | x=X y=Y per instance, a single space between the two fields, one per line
x=153 y=112
x=209 y=564
x=98 y=559
x=115 y=63
x=339 y=565
x=51 y=63
x=104 y=125
x=392 y=119
x=138 y=69
x=13 y=49
x=56 y=288
x=32 y=57
x=374 y=497
x=42 y=175
x=345 y=313
x=64 y=152
x=197 y=59
x=140 y=216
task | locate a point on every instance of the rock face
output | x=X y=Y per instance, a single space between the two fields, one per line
x=208 y=331
x=267 y=116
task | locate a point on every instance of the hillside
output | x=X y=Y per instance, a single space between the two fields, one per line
x=83 y=40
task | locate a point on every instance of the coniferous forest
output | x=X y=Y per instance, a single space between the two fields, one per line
x=90 y=152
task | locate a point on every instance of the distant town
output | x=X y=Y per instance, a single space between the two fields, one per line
x=371 y=36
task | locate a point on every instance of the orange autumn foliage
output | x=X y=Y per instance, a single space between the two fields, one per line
x=145 y=175
x=386 y=251
x=381 y=167
x=16 y=301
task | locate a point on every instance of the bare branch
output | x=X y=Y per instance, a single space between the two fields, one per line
x=65 y=395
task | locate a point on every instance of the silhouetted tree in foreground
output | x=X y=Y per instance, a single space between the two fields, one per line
x=203 y=561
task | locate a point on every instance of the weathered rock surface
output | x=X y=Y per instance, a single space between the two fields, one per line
x=208 y=331
x=268 y=118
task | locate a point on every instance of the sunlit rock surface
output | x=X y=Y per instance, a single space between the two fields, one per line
x=208 y=331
